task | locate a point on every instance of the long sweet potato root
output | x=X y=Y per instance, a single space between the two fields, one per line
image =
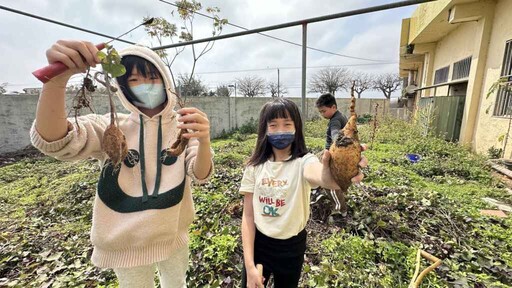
x=346 y=151
x=114 y=141
x=179 y=145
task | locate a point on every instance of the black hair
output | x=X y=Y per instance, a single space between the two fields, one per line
x=279 y=108
x=144 y=67
x=326 y=100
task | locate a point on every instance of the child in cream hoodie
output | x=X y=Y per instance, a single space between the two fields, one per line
x=142 y=211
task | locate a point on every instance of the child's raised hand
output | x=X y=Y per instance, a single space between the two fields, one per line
x=76 y=55
x=363 y=163
x=197 y=122
x=326 y=172
x=327 y=179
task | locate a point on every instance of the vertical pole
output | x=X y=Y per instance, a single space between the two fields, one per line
x=236 y=124
x=278 y=83
x=304 y=45
x=229 y=113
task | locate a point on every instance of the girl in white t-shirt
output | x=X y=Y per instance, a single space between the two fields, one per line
x=276 y=185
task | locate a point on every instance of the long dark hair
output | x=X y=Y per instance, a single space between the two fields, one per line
x=144 y=67
x=279 y=108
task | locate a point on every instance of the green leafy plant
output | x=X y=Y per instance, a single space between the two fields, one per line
x=364 y=119
x=494 y=153
x=249 y=127
x=111 y=62
x=433 y=205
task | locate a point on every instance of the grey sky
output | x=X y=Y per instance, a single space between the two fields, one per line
x=374 y=36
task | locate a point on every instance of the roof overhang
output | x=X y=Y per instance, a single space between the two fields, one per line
x=433 y=21
x=430 y=23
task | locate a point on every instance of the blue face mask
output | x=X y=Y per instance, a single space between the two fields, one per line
x=280 y=140
x=149 y=95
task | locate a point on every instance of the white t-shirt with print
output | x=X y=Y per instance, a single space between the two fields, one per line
x=281 y=196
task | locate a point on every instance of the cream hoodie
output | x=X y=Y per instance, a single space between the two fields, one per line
x=133 y=226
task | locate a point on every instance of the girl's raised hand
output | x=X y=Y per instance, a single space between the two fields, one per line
x=197 y=122
x=326 y=171
x=76 y=55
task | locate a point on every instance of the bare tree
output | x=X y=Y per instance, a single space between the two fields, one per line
x=387 y=83
x=363 y=81
x=251 y=86
x=187 y=10
x=223 y=91
x=161 y=29
x=276 y=90
x=191 y=86
x=330 y=80
x=2 y=88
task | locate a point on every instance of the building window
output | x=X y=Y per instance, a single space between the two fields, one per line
x=502 y=102
x=461 y=68
x=441 y=75
x=504 y=96
x=506 y=68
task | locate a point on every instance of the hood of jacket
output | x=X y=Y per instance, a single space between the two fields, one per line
x=151 y=56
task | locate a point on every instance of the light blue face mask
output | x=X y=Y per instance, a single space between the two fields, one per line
x=149 y=96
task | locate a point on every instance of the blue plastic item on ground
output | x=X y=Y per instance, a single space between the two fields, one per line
x=413 y=158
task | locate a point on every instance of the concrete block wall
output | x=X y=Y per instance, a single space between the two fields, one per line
x=17 y=112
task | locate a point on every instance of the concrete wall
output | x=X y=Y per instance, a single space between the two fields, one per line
x=488 y=127
x=482 y=40
x=18 y=111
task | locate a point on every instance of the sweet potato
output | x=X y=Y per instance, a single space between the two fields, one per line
x=179 y=145
x=346 y=151
x=114 y=144
x=114 y=141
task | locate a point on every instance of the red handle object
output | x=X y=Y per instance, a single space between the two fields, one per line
x=45 y=74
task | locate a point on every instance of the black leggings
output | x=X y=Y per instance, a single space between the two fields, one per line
x=281 y=258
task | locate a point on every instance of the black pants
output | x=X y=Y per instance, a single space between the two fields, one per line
x=281 y=258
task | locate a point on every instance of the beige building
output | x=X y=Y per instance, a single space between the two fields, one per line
x=452 y=51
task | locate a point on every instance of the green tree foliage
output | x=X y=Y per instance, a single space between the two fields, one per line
x=191 y=86
x=223 y=91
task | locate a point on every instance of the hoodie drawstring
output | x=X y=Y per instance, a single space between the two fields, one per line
x=158 y=160
x=143 y=160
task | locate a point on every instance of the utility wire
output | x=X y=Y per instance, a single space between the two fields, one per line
x=62 y=24
x=285 y=68
x=273 y=37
